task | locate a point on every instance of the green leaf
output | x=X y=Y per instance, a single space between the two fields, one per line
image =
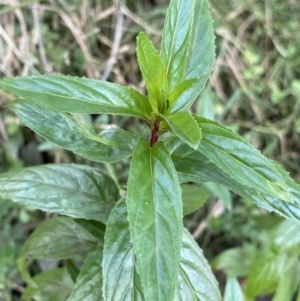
x=199 y=172
x=288 y=283
x=185 y=127
x=155 y=219
x=194 y=166
x=240 y=160
x=120 y=278
x=207 y=105
x=88 y=286
x=153 y=72
x=175 y=45
x=68 y=132
x=265 y=273
x=180 y=89
x=233 y=291
x=189 y=31
x=59 y=238
x=79 y=95
x=235 y=262
x=94 y=227
x=72 y=190
x=220 y=192
x=196 y=280
x=193 y=197
x=72 y=269
x=52 y=285
x=286 y=236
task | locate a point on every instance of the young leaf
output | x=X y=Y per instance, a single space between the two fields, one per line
x=233 y=291
x=68 y=132
x=153 y=72
x=196 y=280
x=88 y=286
x=185 y=127
x=79 y=95
x=120 y=278
x=240 y=160
x=176 y=39
x=188 y=48
x=155 y=219
x=72 y=190
x=59 y=238
x=55 y=284
x=180 y=89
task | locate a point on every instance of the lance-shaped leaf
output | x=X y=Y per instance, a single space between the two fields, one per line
x=120 y=278
x=79 y=95
x=72 y=190
x=155 y=218
x=188 y=48
x=240 y=160
x=196 y=280
x=153 y=72
x=88 y=286
x=193 y=166
x=176 y=39
x=68 y=132
x=185 y=127
x=55 y=284
x=59 y=238
x=233 y=291
x=199 y=172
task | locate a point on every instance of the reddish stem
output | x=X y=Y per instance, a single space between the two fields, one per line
x=154 y=133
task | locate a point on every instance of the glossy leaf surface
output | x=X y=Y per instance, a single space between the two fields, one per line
x=233 y=291
x=68 y=132
x=155 y=219
x=153 y=71
x=88 y=286
x=180 y=89
x=240 y=160
x=78 y=95
x=194 y=166
x=52 y=285
x=185 y=127
x=120 y=278
x=176 y=39
x=188 y=48
x=72 y=190
x=196 y=280
x=59 y=238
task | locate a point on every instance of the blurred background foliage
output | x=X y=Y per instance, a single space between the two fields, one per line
x=254 y=89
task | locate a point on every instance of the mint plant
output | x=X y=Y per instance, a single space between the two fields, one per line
x=135 y=247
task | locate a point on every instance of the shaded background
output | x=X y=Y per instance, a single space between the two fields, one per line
x=254 y=89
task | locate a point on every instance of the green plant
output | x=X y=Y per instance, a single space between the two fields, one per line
x=135 y=249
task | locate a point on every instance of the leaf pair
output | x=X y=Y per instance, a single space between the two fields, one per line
x=194 y=280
